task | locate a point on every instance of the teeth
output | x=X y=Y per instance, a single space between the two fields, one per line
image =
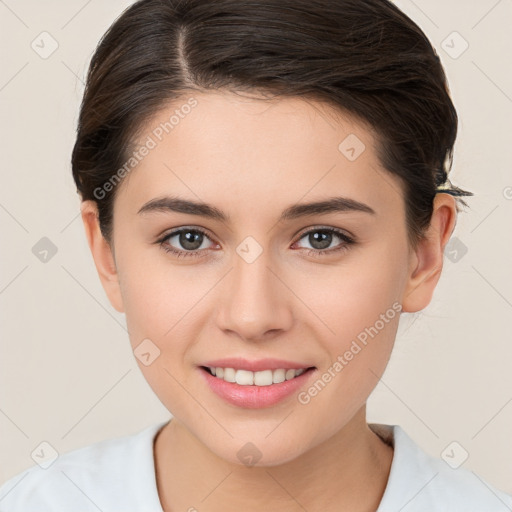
x=262 y=378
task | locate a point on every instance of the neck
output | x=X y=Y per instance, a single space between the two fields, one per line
x=348 y=471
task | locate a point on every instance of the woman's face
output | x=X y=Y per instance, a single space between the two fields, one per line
x=255 y=285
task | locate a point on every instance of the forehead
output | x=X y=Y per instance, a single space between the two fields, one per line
x=246 y=153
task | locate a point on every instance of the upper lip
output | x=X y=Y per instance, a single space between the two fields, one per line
x=239 y=363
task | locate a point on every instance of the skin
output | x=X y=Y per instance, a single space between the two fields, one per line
x=252 y=159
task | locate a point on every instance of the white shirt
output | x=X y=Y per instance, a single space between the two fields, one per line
x=118 y=475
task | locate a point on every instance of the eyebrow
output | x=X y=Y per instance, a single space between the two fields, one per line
x=330 y=205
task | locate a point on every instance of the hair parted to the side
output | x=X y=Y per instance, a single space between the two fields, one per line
x=364 y=57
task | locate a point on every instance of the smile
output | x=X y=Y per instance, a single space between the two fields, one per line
x=255 y=390
x=260 y=378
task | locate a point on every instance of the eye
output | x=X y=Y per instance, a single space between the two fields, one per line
x=190 y=242
x=321 y=238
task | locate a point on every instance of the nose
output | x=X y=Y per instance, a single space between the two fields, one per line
x=255 y=304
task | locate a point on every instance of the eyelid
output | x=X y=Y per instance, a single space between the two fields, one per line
x=342 y=233
x=175 y=231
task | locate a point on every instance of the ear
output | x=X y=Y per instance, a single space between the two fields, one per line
x=102 y=254
x=426 y=260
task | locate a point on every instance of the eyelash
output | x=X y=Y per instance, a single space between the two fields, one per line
x=348 y=241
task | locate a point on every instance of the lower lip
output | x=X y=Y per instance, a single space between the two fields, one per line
x=255 y=397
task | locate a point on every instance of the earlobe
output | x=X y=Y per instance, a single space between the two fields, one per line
x=102 y=254
x=426 y=260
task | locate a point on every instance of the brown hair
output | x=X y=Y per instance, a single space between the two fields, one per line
x=364 y=57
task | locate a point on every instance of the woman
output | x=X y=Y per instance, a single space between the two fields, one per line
x=264 y=190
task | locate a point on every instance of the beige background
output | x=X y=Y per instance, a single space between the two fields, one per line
x=68 y=376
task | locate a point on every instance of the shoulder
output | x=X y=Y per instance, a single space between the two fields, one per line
x=114 y=474
x=419 y=482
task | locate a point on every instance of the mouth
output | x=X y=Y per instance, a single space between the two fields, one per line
x=260 y=378
x=256 y=390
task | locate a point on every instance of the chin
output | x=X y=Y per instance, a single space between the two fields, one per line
x=263 y=453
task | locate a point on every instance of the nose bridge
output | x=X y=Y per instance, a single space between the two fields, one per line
x=255 y=300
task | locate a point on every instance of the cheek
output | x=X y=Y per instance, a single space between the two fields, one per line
x=160 y=318
x=359 y=304
x=157 y=295
x=365 y=321
x=351 y=296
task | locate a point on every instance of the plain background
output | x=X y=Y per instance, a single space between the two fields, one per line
x=67 y=373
